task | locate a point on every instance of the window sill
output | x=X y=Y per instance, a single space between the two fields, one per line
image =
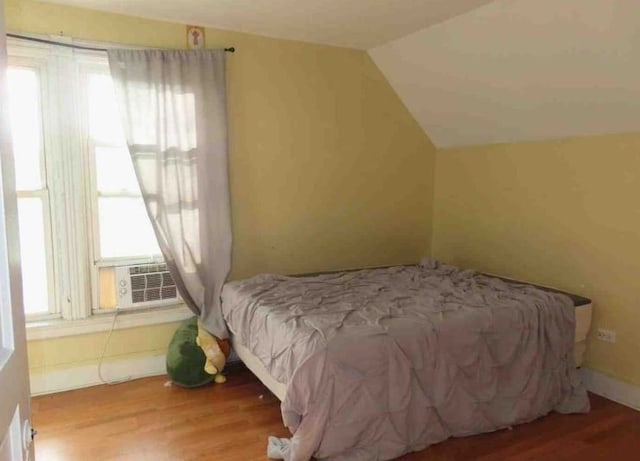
x=102 y=322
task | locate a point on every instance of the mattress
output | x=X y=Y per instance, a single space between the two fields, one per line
x=583 y=315
x=253 y=363
x=376 y=363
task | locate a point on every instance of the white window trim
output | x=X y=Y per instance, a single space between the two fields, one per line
x=38 y=58
x=77 y=277
x=94 y=62
x=59 y=328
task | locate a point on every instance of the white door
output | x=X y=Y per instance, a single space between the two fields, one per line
x=15 y=412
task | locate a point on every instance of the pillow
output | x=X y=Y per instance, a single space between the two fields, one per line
x=185 y=359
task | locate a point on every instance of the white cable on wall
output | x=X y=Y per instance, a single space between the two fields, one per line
x=104 y=351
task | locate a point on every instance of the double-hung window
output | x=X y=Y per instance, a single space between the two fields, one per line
x=26 y=90
x=121 y=227
x=80 y=209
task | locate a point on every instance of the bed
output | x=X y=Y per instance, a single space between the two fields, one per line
x=375 y=363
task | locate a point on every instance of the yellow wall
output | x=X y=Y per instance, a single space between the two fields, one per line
x=328 y=169
x=50 y=354
x=563 y=213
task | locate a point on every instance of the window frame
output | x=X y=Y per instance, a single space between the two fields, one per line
x=93 y=63
x=98 y=65
x=38 y=59
x=71 y=196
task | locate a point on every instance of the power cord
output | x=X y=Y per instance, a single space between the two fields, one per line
x=104 y=351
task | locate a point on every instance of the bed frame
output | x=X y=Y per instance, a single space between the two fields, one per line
x=254 y=364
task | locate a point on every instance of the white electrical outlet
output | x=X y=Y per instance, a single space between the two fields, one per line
x=608 y=336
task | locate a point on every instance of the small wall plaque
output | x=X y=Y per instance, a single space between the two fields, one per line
x=195 y=37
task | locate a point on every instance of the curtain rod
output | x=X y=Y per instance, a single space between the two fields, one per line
x=70 y=45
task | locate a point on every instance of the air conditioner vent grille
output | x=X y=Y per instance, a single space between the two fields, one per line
x=169 y=292
x=147 y=284
x=137 y=296
x=154 y=280
x=152 y=294
x=138 y=282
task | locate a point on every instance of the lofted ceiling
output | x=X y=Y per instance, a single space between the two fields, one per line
x=470 y=71
x=349 y=23
x=516 y=70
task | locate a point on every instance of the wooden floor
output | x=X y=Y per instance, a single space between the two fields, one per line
x=144 y=420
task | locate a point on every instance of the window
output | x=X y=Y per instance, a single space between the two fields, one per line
x=31 y=184
x=80 y=209
x=122 y=225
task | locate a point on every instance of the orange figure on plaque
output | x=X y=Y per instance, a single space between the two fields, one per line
x=195 y=37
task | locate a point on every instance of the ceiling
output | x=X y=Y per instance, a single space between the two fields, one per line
x=470 y=71
x=517 y=70
x=349 y=23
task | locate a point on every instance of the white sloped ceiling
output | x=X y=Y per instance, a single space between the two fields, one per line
x=350 y=23
x=516 y=70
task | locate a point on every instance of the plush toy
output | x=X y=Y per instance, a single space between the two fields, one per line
x=195 y=357
x=216 y=351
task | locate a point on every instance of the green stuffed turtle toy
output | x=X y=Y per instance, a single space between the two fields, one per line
x=195 y=357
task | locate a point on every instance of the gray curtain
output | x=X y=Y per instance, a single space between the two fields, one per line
x=173 y=110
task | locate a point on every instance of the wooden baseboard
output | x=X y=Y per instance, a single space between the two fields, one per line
x=611 y=388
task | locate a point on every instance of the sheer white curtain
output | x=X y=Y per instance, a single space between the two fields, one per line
x=173 y=109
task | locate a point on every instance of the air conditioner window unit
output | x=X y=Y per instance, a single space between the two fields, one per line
x=145 y=285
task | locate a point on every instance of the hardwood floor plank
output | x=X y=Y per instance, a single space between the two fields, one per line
x=145 y=420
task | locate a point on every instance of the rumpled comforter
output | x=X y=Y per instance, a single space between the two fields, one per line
x=382 y=362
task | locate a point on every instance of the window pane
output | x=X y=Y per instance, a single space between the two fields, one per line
x=24 y=106
x=114 y=170
x=104 y=121
x=33 y=254
x=125 y=229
